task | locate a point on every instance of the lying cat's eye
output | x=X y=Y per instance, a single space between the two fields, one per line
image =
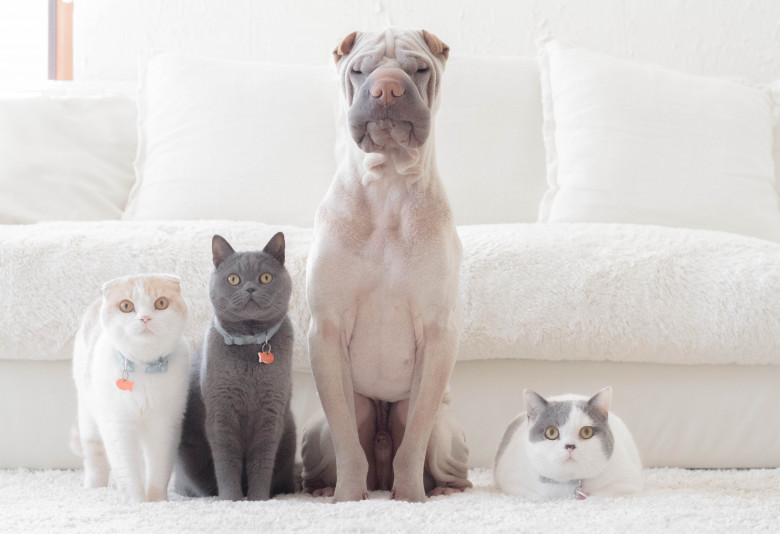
x=266 y=278
x=586 y=432
x=126 y=306
x=551 y=432
x=233 y=279
x=161 y=303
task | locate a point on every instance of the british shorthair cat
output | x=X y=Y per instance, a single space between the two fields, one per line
x=569 y=446
x=239 y=433
x=130 y=365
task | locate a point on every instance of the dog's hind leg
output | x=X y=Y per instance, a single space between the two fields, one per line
x=447 y=454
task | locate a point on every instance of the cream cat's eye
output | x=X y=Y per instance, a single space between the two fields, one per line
x=266 y=278
x=551 y=432
x=126 y=306
x=161 y=303
x=233 y=279
x=586 y=432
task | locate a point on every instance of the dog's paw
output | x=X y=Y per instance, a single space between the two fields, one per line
x=342 y=494
x=408 y=494
x=442 y=490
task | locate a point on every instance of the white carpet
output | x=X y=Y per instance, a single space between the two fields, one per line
x=674 y=500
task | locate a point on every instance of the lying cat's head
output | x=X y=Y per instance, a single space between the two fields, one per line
x=144 y=315
x=249 y=286
x=569 y=437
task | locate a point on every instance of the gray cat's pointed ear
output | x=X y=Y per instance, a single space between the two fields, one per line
x=534 y=403
x=275 y=247
x=601 y=401
x=220 y=249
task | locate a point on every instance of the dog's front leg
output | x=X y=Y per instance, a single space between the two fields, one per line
x=333 y=377
x=437 y=349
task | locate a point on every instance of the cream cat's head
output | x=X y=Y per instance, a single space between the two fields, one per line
x=569 y=437
x=144 y=315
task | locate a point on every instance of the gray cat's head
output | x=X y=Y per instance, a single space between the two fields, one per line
x=249 y=286
x=569 y=437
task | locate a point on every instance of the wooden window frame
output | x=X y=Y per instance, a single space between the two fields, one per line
x=60 y=40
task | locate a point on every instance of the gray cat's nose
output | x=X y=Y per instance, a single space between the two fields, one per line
x=250 y=289
x=570 y=446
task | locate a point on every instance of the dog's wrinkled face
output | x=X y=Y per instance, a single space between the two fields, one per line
x=390 y=82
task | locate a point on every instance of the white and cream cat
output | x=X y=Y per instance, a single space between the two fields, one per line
x=131 y=368
x=569 y=446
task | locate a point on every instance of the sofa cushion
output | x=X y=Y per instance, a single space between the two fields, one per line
x=489 y=145
x=65 y=153
x=587 y=292
x=233 y=140
x=633 y=143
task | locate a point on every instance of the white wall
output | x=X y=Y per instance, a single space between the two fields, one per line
x=24 y=40
x=716 y=37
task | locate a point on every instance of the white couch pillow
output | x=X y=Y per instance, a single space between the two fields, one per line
x=65 y=156
x=233 y=140
x=633 y=143
x=489 y=144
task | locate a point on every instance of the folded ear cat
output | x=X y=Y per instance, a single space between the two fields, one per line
x=569 y=446
x=130 y=365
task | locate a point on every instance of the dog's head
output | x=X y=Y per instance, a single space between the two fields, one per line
x=390 y=82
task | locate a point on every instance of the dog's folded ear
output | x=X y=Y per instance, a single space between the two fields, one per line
x=437 y=46
x=345 y=47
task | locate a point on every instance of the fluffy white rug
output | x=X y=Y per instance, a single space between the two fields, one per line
x=674 y=500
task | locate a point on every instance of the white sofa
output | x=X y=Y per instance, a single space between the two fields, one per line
x=683 y=320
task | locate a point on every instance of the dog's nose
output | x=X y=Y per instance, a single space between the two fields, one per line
x=386 y=89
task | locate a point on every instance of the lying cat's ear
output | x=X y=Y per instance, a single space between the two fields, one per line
x=275 y=247
x=220 y=249
x=601 y=401
x=534 y=403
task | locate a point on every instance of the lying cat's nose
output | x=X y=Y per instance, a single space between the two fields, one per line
x=250 y=289
x=570 y=446
x=145 y=319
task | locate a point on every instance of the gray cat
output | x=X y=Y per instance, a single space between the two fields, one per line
x=238 y=437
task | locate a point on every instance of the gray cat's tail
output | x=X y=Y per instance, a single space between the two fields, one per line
x=75 y=439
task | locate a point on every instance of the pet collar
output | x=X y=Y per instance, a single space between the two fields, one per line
x=238 y=339
x=579 y=493
x=160 y=365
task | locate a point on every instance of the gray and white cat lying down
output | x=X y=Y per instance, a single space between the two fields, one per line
x=569 y=446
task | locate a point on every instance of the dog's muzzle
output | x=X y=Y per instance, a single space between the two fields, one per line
x=388 y=111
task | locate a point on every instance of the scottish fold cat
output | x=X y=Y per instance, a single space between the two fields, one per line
x=239 y=435
x=568 y=446
x=130 y=365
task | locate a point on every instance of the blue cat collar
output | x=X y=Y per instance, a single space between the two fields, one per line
x=239 y=339
x=160 y=365
x=544 y=480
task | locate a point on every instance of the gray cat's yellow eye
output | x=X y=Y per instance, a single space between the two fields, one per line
x=234 y=279
x=161 y=303
x=266 y=278
x=551 y=432
x=586 y=432
x=126 y=306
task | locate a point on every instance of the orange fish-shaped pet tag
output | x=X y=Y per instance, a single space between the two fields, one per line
x=265 y=357
x=124 y=384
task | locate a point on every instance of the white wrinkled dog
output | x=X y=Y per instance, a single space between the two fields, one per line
x=382 y=285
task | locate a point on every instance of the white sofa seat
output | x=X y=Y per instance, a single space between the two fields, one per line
x=672 y=318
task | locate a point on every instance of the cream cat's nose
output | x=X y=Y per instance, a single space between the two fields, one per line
x=145 y=319
x=570 y=446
